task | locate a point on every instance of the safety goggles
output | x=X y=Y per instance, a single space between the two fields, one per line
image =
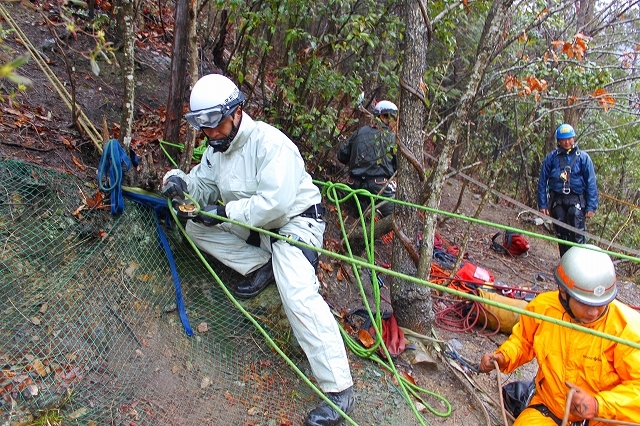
x=209 y=117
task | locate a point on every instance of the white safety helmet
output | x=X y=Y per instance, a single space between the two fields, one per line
x=213 y=98
x=587 y=275
x=385 y=107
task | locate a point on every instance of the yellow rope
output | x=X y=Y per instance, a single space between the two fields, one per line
x=83 y=120
x=632 y=206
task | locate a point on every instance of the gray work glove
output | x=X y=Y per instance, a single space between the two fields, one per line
x=174 y=187
x=208 y=220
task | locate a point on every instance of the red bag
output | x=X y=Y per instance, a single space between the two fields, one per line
x=512 y=243
x=392 y=336
x=470 y=273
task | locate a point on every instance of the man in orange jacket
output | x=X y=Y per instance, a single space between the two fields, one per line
x=605 y=375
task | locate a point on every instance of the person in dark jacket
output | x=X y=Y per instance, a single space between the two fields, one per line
x=567 y=189
x=370 y=154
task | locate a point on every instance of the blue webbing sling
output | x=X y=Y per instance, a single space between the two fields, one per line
x=110 y=171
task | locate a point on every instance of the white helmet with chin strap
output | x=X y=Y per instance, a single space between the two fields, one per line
x=587 y=275
x=385 y=107
x=213 y=98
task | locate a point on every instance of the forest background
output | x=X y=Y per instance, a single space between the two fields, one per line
x=481 y=87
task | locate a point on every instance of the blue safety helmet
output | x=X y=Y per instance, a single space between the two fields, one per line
x=565 y=131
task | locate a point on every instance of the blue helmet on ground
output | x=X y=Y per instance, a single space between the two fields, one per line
x=565 y=131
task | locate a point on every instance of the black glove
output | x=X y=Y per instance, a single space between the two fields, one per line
x=208 y=220
x=174 y=187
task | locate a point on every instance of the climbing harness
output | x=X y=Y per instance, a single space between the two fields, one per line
x=311 y=255
x=565 y=175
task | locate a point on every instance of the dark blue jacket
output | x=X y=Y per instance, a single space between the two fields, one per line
x=582 y=180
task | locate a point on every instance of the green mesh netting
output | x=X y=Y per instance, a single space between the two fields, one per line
x=90 y=331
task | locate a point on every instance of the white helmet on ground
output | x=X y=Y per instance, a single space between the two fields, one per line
x=213 y=98
x=587 y=275
x=385 y=107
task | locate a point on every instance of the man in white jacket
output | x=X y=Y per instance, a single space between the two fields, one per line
x=259 y=175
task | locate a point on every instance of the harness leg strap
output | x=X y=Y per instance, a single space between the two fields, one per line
x=311 y=255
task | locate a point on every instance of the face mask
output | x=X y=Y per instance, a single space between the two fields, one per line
x=221 y=145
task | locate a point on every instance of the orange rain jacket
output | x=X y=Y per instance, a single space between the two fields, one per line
x=608 y=370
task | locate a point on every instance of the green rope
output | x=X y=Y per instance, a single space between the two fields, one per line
x=328 y=186
x=407 y=388
x=198 y=151
x=248 y=315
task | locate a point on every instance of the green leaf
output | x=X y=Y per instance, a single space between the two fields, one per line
x=20 y=80
x=20 y=60
x=95 y=68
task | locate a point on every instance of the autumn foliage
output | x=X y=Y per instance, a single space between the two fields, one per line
x=533 y=86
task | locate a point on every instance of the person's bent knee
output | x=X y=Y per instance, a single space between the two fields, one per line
x=533 y=417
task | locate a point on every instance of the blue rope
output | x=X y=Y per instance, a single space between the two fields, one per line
x=111 y=161
x=161 y=211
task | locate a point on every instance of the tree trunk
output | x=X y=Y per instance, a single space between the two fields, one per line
x=128 y=73
x=411 y=302
x=489 y=40
x=127 y=26
x=178 y=80
x=190 y=140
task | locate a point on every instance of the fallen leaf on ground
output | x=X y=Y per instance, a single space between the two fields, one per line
x=78 y=163
x=326 y=266
x=77 y=414
x=38 y=367
x=365 y=338
x=253 y=411
x=77 y=211
x=205 y=382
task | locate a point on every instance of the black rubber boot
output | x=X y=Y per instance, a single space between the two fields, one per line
x=325 y=415
x=251 y=287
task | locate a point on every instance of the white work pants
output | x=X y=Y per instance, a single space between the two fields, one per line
x=309 y=315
